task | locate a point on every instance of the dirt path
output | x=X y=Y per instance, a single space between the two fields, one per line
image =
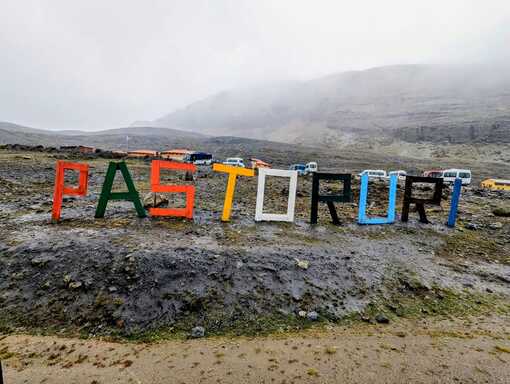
x=424 y=351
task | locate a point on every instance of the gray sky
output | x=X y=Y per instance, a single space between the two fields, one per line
x=95 y=64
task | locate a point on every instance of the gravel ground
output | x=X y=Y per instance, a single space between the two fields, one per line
x=125 y=275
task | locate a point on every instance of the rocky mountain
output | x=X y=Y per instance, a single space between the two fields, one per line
x=407 y=102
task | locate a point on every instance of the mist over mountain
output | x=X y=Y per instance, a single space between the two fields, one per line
x=407 y=102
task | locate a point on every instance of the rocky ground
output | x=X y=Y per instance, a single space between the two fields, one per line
x=122 y=276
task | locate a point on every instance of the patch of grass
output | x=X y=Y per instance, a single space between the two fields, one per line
x=413 y=301
x=473 y=245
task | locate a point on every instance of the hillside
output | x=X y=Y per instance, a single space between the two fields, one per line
x=407 y=102
x=139 y=137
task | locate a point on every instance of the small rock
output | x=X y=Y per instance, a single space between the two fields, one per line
x=302 y=313
x=382 y=319
x=197 y=332
x=303 y=264
x=471 y=226
x=39 y=261
x=496 y=225
x=112 y=289
x=154 y=200
x=75 y=285
x=312 y=316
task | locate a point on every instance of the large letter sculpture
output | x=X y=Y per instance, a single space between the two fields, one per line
x=420 y=203
x=107 y=194
x=61 y=189
x=345 y=197
x=233 y=172
x=156 y=186
x=454 y=204
x=259 y=210
x=362 y=216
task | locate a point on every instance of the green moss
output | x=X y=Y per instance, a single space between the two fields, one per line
x=474 y=245
x=434 y=302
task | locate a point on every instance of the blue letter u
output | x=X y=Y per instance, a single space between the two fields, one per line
x=362 y=213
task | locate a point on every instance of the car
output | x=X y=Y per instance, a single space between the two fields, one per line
x=449 y=176
x=300 y=168
x=375 y=173
x=401 y=175
x=234 y=162
x=311 y=167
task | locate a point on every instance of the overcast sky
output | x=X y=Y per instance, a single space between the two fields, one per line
x=95 y=64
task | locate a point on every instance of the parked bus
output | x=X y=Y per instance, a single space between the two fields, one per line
x=496 y=184
x=198 y=158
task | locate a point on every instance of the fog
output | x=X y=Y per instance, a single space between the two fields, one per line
x=102 y=64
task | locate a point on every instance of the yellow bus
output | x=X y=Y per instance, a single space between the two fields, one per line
x=496 y=184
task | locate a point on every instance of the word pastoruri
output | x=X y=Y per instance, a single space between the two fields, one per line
x=233 y=173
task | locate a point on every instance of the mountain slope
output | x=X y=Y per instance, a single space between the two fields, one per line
x=139 y=137
x=443 y=103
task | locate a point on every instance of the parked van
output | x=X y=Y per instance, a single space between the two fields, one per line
x=234 y=161
x=401 y=175
x=375 y=173
x=496 y=184
x=311 y=167
x=449 y=176
x=300 y=168
x=198 y=158
x=433 y=173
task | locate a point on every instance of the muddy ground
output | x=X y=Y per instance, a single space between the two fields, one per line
x=130 y=277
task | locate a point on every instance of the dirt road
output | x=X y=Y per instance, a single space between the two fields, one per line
x=470 y=350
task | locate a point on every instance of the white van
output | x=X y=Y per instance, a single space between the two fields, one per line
x=311 y=167
x=234 y=161
x=449 y=176
x=375 y=173
x=401 y=175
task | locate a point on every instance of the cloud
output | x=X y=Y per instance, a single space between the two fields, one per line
x=90 y=64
